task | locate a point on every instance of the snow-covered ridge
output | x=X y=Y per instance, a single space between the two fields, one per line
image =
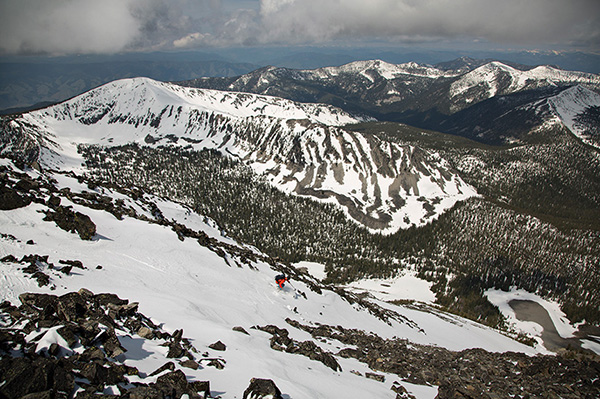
x=497 y=78
x=384 y=69
x=383 y=185
x=140 y=94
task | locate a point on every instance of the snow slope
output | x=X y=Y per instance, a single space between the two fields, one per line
x=299 y=147
x=181 y=284
x=572 y=102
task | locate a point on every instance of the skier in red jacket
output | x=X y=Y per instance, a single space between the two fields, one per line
x=281 y=279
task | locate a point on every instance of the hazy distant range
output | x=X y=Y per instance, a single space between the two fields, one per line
x=29 y=82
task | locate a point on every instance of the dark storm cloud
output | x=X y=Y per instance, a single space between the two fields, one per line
x=506 y=21
x=92 y=26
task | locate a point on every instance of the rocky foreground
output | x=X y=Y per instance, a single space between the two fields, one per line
x=69 y=347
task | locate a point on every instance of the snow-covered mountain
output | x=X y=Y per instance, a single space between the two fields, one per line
x=301 y=148
x=141 y=296
x=496 y=79
x=431 y=97
x=182 y=273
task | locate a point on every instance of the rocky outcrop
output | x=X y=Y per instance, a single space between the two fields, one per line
x=38 y=268
x=72 y=221
x=38 y=339
x=471 y=373
x=280 y=341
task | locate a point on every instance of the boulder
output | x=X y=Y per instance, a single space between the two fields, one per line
x=72 y=221
x=167 y=366
x=240 y=329
x=10 y=199
x=218 y=346
x=174 y=385
x=23 y=376
x=262 y=388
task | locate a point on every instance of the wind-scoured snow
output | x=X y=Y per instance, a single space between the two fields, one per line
x=183 y=285
x=299 y=147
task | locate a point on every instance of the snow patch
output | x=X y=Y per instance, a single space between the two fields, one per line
x=405 y=287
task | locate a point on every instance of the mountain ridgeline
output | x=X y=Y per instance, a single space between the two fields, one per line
x=489 y=102
x=514 y=202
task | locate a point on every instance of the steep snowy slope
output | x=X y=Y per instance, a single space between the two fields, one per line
x=299 y=147
x=148 y=256
x=571 y=107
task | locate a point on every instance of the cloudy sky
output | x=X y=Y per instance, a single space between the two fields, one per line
x=109 y=26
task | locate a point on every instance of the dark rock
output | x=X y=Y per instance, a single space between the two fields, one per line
x=261 y=388
x=53 y=202
x=10 y=199
x=218 y=346
x=49 y=394
x=167 y=366
x=175 y=350
x=81 y=316
x=66 y=270
x=219 y=364
x=144 y=392
x=71 y=307
x=30 y=242
x=112 y=346
x=201 y=386
x=23 y=376
x=92 y=353
x=72 y=221
x=122 y=311
x=73 y=263
x=190 y=364
x=145 y=332
x=54 y=349
x=68 y=334
x=9 y=259
x=26 y=185
x=39 y=301
x=376 y=377
x=401 y=392
x=240 y=329
x=93 y=395
x=105 y=299
x=42 y=278
x=174 y=384
x=281 y=341
x=84 y=292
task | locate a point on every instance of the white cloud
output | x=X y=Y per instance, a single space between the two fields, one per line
x=191 y=40
x=66 y=26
